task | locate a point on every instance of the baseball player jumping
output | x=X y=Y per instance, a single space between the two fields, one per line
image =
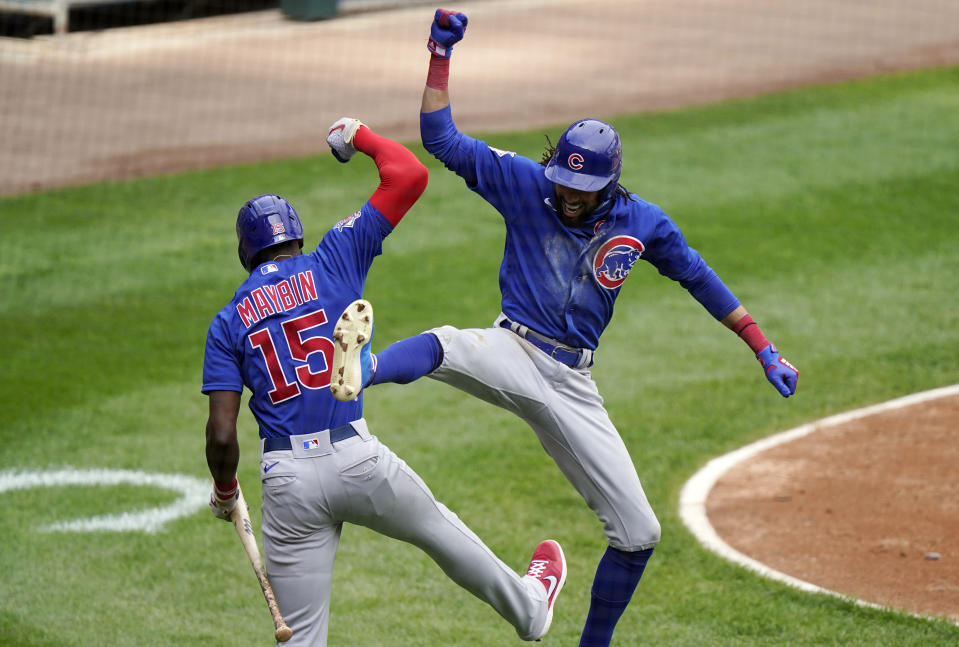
x=319 y=464
x=573 y=235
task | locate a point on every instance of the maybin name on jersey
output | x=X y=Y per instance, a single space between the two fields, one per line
x=277 y=298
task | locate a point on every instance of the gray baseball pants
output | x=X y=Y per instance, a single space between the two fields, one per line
x=564 y=408
x=309 y=494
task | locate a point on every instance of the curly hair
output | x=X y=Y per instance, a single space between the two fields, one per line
x=550 y=150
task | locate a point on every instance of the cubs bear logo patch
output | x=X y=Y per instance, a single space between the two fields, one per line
x=615 y=259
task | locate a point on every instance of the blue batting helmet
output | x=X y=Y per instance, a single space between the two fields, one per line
x=262 y=222
x=588 y=157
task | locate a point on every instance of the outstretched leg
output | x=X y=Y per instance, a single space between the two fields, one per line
x=355 y=367
x=408 y=359
x=574 y=428
x=391 y=499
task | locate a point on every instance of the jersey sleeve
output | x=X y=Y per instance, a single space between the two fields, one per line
x=447 y=144
x=511 y=183
x=674 y=258
x=349 y=247
x=221 y=366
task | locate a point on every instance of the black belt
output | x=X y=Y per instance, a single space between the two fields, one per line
x=572 y=357
x=283 y=443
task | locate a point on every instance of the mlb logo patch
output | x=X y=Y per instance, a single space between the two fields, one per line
x=268 y=268
x=278 y=228
x=312 y=443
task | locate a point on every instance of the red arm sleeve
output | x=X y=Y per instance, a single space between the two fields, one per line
x=403 y=178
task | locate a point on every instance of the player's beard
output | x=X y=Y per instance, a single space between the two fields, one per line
x=575 y=217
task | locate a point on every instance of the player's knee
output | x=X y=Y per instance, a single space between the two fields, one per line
x=445 y=335
x=640 y=537
x=654 y=537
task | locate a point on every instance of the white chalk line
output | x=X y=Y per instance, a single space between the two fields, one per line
x=692 y=498
x=194 y=493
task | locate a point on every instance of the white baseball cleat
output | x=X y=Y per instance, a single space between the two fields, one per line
x=548 y=567
x=352 y=361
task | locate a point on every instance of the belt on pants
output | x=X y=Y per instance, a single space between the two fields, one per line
x=283 y=443
x=572 y=357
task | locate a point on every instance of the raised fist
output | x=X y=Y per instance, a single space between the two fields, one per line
x=340 y=138
x=447 y=29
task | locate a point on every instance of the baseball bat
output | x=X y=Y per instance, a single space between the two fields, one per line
x=244 y=528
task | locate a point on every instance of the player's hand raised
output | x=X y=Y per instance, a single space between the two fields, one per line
x=780 y=373
x=447 y=29
x=340 y=138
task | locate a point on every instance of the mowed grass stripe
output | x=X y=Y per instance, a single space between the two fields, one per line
x=830 y=211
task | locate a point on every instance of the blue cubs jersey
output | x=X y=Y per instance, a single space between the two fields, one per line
x=276 y=336
x=563 y=281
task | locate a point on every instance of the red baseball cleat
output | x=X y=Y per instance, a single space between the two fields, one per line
x=548 y=567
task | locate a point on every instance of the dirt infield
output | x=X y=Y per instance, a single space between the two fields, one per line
x=856 y=511
x=868 y=508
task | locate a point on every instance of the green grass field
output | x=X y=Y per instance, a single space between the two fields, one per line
x=832 y=212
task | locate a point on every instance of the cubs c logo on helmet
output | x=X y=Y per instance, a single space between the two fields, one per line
x=615 y=259
x=575 y=161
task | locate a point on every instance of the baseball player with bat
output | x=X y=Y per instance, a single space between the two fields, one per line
x=320 y=466
x=573 y=235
